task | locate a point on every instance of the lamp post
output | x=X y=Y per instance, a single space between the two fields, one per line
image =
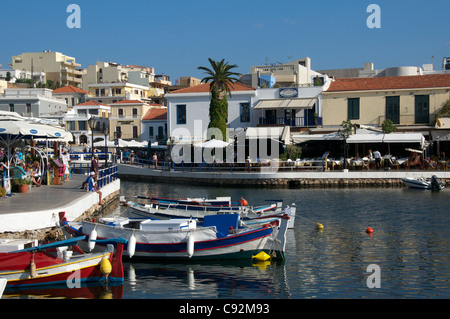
x=92 y=124
x=106 y=132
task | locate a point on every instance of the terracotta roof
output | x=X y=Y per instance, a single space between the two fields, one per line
x=129 y=102
x=390 y=83
x=155 y=114
x=69 y=89
x=91 y=103
x=204 y=87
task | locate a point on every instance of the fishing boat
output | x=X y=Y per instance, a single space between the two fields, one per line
x=220 y=237
x=62 y=262
x=170 y=211
x=424 y=183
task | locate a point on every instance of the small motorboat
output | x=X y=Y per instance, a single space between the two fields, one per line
x=62 y=262
x=424 y=183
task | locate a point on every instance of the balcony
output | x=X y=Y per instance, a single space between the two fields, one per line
x=293 y=122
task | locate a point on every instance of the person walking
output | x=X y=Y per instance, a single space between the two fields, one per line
x=377 y=156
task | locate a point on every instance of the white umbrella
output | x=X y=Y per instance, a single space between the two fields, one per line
x=214 y=144
x=134 y=143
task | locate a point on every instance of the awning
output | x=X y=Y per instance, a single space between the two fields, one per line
x=302 y=103
x=301 y=138
x=443 y=123
x=364 y=138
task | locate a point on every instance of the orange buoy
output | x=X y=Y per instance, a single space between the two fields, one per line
x=243 y=202
x=369 y=230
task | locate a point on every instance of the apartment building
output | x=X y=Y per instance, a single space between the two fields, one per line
x=58 y=67
x=126 y=118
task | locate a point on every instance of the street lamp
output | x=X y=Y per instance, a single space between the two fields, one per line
x=106 y=132
x=92 y=124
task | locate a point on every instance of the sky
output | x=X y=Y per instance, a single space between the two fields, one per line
x=175 y=37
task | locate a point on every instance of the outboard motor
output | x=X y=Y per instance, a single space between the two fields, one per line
x=435 y=185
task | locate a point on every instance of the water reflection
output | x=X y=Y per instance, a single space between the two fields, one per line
x=232 y=279
x=94 y=290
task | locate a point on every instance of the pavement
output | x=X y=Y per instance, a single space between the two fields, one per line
x=44 y=197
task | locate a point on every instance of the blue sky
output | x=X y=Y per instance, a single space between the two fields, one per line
x=176 y=36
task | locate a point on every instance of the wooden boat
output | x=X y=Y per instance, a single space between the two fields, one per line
x=424 y=183
x=247 y=213
x=219 y=238
x=55 y=263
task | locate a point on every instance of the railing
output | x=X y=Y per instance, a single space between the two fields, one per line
x=107 y=175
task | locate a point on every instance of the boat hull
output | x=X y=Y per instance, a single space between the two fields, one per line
x=175 y=245
x=51 y=270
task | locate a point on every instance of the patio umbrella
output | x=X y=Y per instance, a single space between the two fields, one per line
x=214 y=144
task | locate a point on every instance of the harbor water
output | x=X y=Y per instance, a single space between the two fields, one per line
x=409 y=245
x=406 y=256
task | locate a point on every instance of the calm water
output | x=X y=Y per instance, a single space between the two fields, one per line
x=410 y=244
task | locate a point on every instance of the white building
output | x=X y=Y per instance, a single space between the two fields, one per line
x=33 y=103
x=154 y=124
x=76 y=121
x=249 y=110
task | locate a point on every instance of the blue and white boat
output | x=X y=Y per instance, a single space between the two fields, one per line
x=246 y=213
x=220 y=237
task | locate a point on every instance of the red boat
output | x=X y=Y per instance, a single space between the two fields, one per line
x=62 y=263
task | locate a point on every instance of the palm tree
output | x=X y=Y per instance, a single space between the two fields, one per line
x=220 y=77
x=221 y=82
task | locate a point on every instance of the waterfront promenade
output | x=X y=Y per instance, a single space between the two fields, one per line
x=285 y=178
x=39 y=207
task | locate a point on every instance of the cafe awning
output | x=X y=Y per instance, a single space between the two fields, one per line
x=302 y=103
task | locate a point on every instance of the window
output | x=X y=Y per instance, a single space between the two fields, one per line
x=70 y=125
x=11 y=107
x=353 y=109
x=135 y=113
x=120 y=112
x=28 y=105
x=160 y=132
x=245 y=112
x=82 y=125
x=135 y=131
x=422 y=109
x=181 y=114
x=393 y=109
x=150 y=131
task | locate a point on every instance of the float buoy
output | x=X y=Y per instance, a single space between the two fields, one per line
x=190 y=245
x=243 y=202
x=131 y=245
x=369 y=230
x=105 y=266
x=319 y=226
x=261 y=256
x=92 y=238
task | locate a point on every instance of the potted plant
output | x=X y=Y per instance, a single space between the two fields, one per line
x=2 y=192
x=21 y=185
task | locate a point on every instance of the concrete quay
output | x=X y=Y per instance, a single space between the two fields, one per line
x=39 y=207
x=292 y=179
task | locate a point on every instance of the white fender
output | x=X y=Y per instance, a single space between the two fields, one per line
x=190 y=245
x=131 y=245
x=92 y=236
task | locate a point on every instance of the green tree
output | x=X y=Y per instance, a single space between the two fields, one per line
x=388 y=127
x=221 y=80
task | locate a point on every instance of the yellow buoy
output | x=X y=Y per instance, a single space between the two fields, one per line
x=105 y=266
x=319 y=226
x=261 y=256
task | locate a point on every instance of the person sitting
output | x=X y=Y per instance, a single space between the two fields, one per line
x=91 y=186
x=35 y=174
